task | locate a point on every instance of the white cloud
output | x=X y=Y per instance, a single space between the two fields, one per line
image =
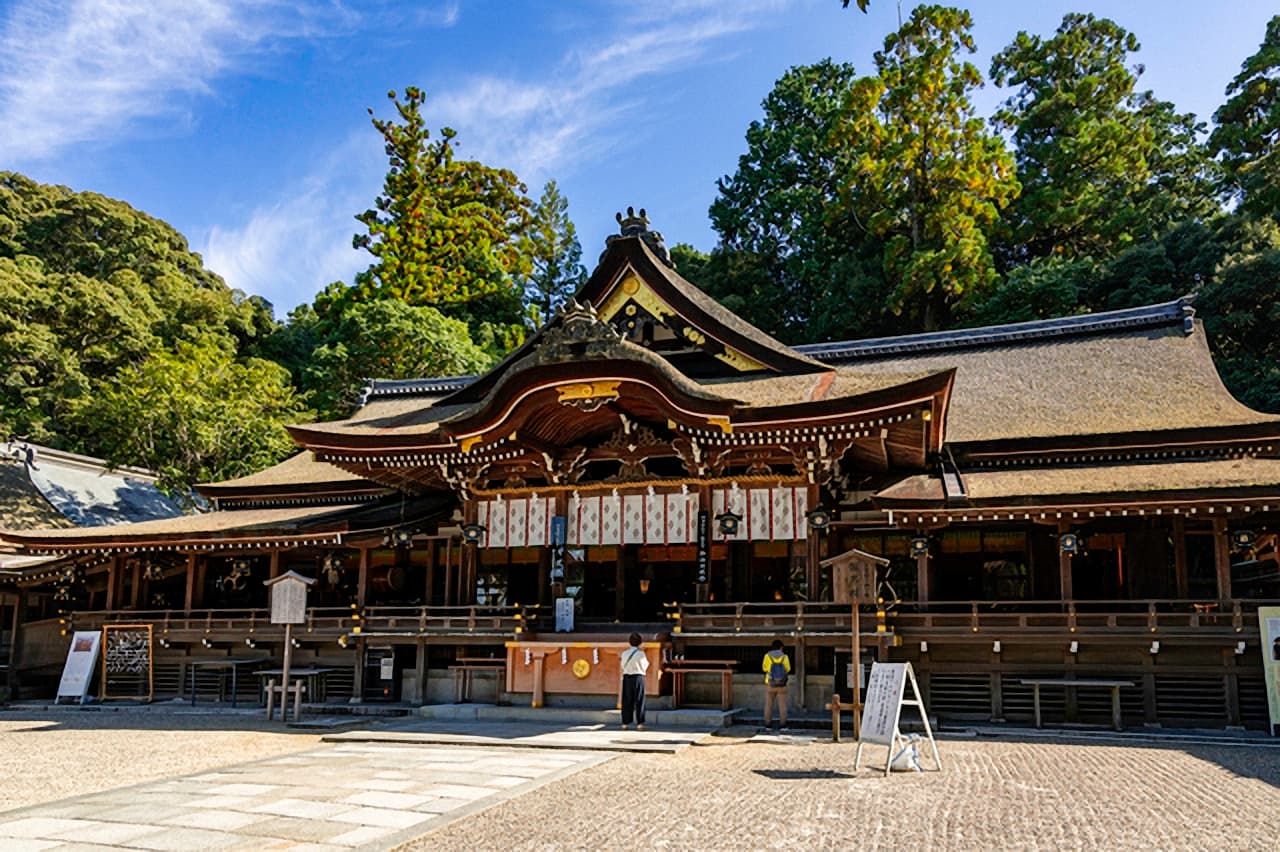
x=573 y=113
x=291 y=247
x=79 y=70
x=538 y=125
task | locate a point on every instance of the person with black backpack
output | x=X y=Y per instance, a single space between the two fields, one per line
x=777 y=671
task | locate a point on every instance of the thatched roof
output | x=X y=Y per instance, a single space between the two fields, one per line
x=1096 y=375
x=1035 y=484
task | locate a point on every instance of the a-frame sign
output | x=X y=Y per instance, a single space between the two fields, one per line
x=883 y=708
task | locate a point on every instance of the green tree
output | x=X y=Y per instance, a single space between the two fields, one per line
x=787 y=243
x=1241 y=310
x=193 y=413
x=555 y=255
x=1101 y=165
x=386 y=339
x=1247 y=136
x=445 y=232
x=927 y=176
x=89 y=287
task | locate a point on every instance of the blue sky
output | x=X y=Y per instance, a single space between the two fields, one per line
x=243 y=122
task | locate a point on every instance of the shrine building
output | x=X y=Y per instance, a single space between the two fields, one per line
x=1078 y=497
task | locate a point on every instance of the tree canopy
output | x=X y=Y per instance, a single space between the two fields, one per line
x=1247 y=136
x=445 y=232
x=91 y=290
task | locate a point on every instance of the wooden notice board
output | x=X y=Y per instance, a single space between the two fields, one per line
x=886 y=690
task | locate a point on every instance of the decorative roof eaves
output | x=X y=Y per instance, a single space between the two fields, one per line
x=1178 y=311
x=384 y=388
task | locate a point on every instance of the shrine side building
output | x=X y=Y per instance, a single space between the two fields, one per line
x=1078 y=497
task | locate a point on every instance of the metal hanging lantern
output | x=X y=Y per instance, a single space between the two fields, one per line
x=729 y=521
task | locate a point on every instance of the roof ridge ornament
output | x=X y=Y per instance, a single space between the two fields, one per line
x=577 y=332
x=637 y=225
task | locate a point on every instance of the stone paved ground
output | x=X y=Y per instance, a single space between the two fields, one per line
x=737 y=794
x=336 y=797
x=233 y=781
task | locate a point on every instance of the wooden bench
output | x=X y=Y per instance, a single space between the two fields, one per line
x=680 y=668
x=464 y=670
x=1075 y=683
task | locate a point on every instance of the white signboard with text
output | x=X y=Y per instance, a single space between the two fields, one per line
x=883 y=703
x=82 y=656
x=1269 y=624
x=564 y=615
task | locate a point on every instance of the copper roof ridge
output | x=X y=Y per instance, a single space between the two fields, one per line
x=1177 y=311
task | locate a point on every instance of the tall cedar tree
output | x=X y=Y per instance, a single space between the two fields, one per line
x=447 y=233
x=1247 y=136
x=928 y=176
x=1102 y=166
x=789 y=256
x=555 y=255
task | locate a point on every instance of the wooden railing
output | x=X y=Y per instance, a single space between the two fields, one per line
x=939 y=619
x=961 y=618
x=321 y=623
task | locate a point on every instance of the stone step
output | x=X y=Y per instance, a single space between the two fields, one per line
x=685 y=717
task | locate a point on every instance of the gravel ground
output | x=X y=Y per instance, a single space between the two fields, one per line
x=992 y=794
x=49 y=755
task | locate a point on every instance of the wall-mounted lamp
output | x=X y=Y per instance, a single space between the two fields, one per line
x=1155 y=646
x=1239 y=648
x=995 y=647
x=920 y=546
x=1243 y=540
x=819 y=518
x=646 y=579
x=1069 y=543
x=472 y=533
x=1074 y=647
x=332 y=568
x=729 y=521
x=398 y=538
x=924 y=647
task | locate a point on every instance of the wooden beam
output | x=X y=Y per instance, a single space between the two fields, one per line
x=922 y=577
x=189 y=598
x=1180 y=558
x=1222 y=558
x=1064 y=565
x=362 y=580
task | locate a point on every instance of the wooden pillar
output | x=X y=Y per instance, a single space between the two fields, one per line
x=357 y=678
x=625 y=553
x=202 y=573
x=1222 y=558
x=113 y=581
x=922 y=577
x=420 y=667
x=274 y=570
x=448 y=572
x=468 y=556
x=16 y=644
x=189 y=599
x=1180 y=558
x=800 y=670
x=813 y=549
x=433 y=553
x=1064 y=567
x=362 y=581
x=135 y=584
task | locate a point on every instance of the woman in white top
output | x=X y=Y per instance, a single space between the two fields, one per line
x=634 y=665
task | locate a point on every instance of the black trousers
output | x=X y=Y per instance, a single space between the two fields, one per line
x=633 y=699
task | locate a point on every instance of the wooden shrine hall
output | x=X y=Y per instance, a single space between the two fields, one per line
x=1077 y=497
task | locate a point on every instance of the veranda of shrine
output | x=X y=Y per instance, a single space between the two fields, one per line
x=1073 y=497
